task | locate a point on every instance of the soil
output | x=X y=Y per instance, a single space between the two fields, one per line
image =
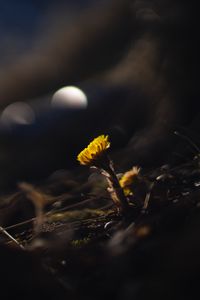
x=88 y=250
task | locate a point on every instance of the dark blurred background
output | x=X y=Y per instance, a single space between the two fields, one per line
x=135 y=63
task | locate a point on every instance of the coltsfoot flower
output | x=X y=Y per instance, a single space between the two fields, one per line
x=94 y=150
x=95 y=156
x=128 y=179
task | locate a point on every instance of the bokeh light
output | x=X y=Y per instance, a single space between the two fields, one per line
x=69 y=97
x=18 y=113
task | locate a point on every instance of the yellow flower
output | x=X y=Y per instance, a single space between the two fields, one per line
x=127 y=180
x=94 y=150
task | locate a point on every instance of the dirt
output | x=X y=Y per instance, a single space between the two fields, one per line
x=90 y=251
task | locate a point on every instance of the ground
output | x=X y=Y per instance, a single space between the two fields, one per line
x=87 y=250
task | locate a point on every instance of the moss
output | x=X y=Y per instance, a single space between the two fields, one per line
x=74 y=215
x=80 y=242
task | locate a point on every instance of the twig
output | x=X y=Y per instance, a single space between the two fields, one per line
x=11 y=237
x=147 y=198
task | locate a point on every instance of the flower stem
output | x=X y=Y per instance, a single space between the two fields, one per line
x=114 y=188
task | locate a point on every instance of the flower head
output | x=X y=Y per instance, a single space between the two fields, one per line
x=94 y=150
x=128 y=179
